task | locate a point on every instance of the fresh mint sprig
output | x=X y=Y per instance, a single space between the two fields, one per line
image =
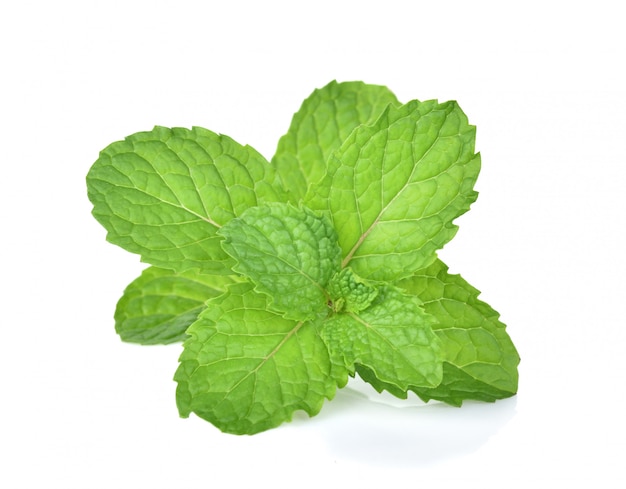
x=285 y=278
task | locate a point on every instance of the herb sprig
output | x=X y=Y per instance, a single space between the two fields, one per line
x=285 y=278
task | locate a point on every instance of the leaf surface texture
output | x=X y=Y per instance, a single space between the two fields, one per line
x=164 y=194
x=288 y=253
x=394 y=188
x=158 y=306
x=323 y=122
x=247 y=369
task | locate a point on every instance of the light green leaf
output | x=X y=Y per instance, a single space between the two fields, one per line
x=165 y=193
x=456 y=387
x=288 y=253
x=246 y=369
x=350 y=293
x=160 y=304
x=393 y=337
x=394 y=188
x=325 y=119
x=480 y=359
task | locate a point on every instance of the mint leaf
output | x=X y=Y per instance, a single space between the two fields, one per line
x=394 y=188
x=325 y=120
x=158 y=306
x=289 y=253
x=246 y=369
x=350 y=293
x=283 y=280
x=482 y=360
x=393 y=337
x=165 y=193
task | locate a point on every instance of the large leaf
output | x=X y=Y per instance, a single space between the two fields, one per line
x=289 y=253
x=393 y=337
x=394 y=188
x=246 y=369
x=480 y=358
x=158 y=306
x=325 y=119
x=165 y=193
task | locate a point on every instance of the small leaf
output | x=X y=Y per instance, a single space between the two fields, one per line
x=165 y=193
x=246 y=369
x=159 y=305
x=325 y=120
x=288 y=253
x=394 y=188
x=350 y=293
x=393 y=337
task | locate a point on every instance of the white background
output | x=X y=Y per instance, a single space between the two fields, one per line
x=543 y=82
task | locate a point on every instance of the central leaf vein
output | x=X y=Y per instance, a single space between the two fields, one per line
x=375 y=222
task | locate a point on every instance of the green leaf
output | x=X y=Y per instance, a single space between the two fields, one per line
x=456 y=387
x=160 y=304
x=480 y=358
x=350 y=293
x=246 y=369
x=325 y=119
x=289 y=253
x=394 y=188
x=369 y=376
x=283 y=280
x=166 y=192
x=393 y=337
